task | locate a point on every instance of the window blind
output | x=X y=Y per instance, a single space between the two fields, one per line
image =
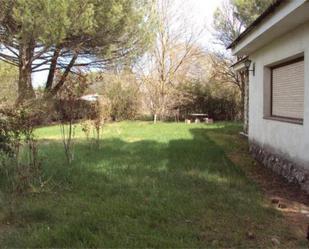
x=288 y=90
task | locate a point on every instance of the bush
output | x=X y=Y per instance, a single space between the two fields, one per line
x=218 y=101
x=66 y=104
x=18 y=148
x=125 y=101
x=8 y=82
x=122 y=91
x=98 y=114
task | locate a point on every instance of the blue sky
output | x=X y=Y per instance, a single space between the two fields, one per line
x=202 y=14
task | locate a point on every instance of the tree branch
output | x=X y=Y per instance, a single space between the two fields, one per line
x=64 y=75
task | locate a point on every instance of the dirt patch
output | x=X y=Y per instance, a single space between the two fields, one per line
x=288 y=198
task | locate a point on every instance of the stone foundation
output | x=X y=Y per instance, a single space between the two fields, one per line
x=292 y=172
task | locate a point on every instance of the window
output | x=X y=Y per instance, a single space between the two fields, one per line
x=287 y=90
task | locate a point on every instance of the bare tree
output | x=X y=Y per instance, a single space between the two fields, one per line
x=229 y=21
x=175 y=46
x=223 y=72
x=66 y=107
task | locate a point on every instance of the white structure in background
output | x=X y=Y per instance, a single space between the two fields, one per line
x=277 y=49
x=90 y=97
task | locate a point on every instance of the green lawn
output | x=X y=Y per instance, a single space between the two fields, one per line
x=163 y=186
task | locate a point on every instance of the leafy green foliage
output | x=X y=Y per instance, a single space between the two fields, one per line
x=99 y=113
x=122 y=91
x=18 y=149
x=68 y=21
x=8 y=84
x=234 y=16
x=63 y=34
x=226 y=24
x=66 y=105
x=219 y=101
x=124 y=101
x=5 y=138
x=248 y=10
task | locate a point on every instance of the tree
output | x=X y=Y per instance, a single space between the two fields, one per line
x=229 y=21
x=226 y=24
x=51 y=35
x=219 y=101
x=121 y=90
x=234 y=16
x=8 y=83
x=66 y=106
x=175 y=46
x=221 y=72
x=197 y=90
x=248 y=10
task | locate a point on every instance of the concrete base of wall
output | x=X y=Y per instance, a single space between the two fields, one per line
x=282 y=166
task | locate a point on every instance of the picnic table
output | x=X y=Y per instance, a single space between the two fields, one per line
x=199 y=117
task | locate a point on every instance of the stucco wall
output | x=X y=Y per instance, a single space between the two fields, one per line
x=290 y=140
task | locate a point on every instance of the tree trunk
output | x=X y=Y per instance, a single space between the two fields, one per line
x=155 y=118
x=25 y=88
x=52 y=70
x=242 y=102
x=242 y=77
x=64 y=76
x=244 y=82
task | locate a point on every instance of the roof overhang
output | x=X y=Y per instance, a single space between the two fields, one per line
x=287 y=16
x=240 y=65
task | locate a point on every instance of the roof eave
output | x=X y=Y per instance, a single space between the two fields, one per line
x=271 y=9
x=286 y=18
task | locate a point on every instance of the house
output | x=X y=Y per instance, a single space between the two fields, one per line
x=275 y=52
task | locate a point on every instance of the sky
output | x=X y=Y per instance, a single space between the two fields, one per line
x=202 y=14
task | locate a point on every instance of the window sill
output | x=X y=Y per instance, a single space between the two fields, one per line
x=286 y=120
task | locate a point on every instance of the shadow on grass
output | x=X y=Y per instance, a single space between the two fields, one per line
x=184 y=193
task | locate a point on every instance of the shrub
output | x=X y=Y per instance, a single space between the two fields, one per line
x=97 y=116
x=122 y=91
x=124 y=101
x=66 y=106
x=216 y=100
x=19 y=150
x=8 y=82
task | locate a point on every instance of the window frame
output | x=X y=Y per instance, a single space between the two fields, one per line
x=276 y=117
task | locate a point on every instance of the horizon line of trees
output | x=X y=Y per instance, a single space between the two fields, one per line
x=147 y=54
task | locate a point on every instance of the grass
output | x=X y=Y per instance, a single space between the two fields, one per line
x=164 y=186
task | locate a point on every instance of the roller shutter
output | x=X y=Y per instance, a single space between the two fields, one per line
x=288 y=90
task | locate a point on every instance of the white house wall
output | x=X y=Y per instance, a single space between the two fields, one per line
x=291 y=140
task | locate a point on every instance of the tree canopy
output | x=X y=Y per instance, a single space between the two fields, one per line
x=234 y=16
x=230 y=20
x=249 y=10
x=8 y=82
x=53 y=35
